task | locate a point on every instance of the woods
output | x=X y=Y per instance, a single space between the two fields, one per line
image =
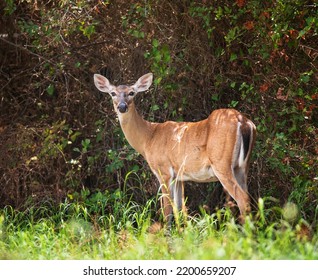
x=58 y=136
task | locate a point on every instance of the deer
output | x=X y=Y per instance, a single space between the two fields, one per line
x=217 y=148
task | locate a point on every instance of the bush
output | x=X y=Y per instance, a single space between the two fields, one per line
x=58 y=134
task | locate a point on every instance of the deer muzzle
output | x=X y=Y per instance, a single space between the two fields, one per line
x=122 y=107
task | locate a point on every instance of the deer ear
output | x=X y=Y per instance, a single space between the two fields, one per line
x=143 y=83
x=102 y=83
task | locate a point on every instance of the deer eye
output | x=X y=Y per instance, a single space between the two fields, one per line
x=113 y=93
x=131 y=93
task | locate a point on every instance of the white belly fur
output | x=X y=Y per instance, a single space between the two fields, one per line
x=204 y=175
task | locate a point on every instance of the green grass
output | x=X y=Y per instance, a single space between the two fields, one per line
x=94 y=229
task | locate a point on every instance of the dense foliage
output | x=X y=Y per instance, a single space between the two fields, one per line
x=58 y=134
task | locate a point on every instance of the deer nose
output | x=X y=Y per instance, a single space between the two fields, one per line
x=122 y=107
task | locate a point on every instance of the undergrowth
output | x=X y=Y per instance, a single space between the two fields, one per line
x=84 y=230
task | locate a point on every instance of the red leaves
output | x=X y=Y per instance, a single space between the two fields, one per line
x=249 y=25
x=306 y=106
x=265 y=15
x=264 y=87
x=240 y=3
x=279 y=54
x=280 y=94
x=314 y=96
x=293 y=34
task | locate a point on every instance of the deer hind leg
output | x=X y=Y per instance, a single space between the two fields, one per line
x=233 y=188
x=241 y=177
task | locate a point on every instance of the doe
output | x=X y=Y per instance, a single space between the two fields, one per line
x=215 y=149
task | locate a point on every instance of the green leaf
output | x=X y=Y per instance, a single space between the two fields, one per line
x=50 y=90
x=155 y=107
x=157 y=81
x=233 y=56
x=234 y=103
x=215 y=97
x=155 y=43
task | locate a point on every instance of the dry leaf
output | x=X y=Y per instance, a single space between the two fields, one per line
x=280 y=94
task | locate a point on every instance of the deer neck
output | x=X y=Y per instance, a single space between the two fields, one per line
x=137 y=130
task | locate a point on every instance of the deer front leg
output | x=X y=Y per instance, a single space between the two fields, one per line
x=178 y=195
x=166 y=203
x=166 y=207
x=166 y=181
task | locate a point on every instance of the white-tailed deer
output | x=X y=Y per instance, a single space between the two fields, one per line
x=215 y=149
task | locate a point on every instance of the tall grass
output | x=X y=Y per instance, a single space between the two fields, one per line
x=113 y=226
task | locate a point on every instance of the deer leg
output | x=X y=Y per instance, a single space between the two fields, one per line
x=178 y=195
x=172 y=198
x=166 y=205
x=166 y=198
x=241 y=177
x=234 y=189
x=229 y=201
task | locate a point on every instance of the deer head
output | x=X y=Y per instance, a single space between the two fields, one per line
x=123 y=95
